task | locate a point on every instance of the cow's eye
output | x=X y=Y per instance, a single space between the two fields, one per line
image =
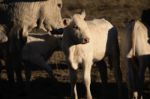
x=75 y=27
x=59 y=5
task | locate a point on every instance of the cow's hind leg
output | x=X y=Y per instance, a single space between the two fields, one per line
x=103 y=75
x=117 y=74
x=132 y=78
x=10 y=72
x=40 y=61
x=114 y=57
x=27 y=71
x=141 y=71
x=18 y=70
x=103 y=71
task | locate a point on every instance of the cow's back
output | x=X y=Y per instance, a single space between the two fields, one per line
x=99 y=36
x=43 y=45
x=141 y=36
x=137 y=40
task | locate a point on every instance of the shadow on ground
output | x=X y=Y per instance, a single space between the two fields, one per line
x=43 y=88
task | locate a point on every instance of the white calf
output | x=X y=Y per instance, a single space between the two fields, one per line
x=85 y=42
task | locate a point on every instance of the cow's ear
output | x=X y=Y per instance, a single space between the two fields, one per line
x=83 y=14
x=66 y=21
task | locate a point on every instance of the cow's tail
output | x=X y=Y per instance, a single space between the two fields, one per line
x=133 y=36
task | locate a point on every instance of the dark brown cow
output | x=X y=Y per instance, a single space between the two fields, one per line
x=38 y=50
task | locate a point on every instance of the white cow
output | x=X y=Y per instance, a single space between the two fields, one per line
x=85 y=42
x=38 y=50
x=137 y=55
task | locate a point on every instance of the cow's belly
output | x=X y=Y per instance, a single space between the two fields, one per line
x=141 y=52
x=99 y=51
x=99 y=56
x=143 y=49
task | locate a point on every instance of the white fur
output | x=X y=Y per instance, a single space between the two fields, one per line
x=77 y=53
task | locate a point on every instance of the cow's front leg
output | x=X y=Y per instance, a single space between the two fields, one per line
x=87 y=78
x=73 y=79
x=39 y=60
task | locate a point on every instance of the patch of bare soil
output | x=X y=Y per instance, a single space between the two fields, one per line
x=41 y=87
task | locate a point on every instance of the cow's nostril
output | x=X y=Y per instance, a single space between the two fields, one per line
x=86 y=40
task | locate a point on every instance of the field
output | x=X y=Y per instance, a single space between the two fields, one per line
x=118 y=12
x=42 y=87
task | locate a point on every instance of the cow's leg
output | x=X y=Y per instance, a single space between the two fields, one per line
x=0 y=70
x=73 y=78
x=87 y=78
x=18 y=71
x=40 y=61
x=134 y=77
x=28 y=74
x=14 y=66
x=14 y=50
x=103 y=75
x=27 y=71
x=18 y=67
x=103 y=71
x=115 y=60
x=10 y=71
x=141 y=72
x=132 y=94
x=49 y=70
x=114 y=56
x=118 y=76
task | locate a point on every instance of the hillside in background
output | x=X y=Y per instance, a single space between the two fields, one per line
x=116 y=11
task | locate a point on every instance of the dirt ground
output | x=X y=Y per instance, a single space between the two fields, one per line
x=118 y=12
x=41 y=87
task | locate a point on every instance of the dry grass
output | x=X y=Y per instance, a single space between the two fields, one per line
x=116 y=11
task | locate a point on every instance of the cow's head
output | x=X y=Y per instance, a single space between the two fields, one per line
x=78 y=29
x=52 y=12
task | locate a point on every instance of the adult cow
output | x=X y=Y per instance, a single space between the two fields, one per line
x=137 y=50
x=21 y=16
x=85 y=42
